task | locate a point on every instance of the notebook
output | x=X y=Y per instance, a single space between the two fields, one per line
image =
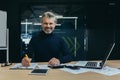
x=96 y=64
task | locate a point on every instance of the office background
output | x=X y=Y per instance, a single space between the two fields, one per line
x=97 y=26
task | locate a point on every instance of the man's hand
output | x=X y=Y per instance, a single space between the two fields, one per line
x=26 y=61
x=54 y=61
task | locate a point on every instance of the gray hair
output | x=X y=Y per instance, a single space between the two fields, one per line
x=49 y=15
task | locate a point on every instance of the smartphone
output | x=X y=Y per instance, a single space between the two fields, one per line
x=39 y=71
x=56 y=66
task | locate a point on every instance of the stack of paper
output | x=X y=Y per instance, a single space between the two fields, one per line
x=109 y=71
x=19 y=66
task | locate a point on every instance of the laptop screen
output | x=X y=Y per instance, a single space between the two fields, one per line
x=108 y=52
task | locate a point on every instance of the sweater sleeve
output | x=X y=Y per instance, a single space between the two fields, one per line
x=30 y=50
x=66 y=55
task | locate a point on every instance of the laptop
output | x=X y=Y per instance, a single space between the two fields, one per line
x=96 y=64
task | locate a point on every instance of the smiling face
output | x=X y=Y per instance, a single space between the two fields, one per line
x=48 y=25
x=48 y=21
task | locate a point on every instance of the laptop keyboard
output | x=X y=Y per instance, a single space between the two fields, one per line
x=89 y=64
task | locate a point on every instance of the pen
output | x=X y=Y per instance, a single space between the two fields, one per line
x=26 y=55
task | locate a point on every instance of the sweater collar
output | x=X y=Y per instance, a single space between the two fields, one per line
x=43 y=34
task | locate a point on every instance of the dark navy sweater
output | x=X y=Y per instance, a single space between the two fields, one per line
x=43 y=47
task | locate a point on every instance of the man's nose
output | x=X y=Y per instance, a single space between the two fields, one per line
x=48 y=25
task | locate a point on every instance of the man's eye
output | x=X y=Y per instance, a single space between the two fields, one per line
x=51 y=23
x=45 y=23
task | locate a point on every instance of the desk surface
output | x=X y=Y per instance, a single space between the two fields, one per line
x=56 y=74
